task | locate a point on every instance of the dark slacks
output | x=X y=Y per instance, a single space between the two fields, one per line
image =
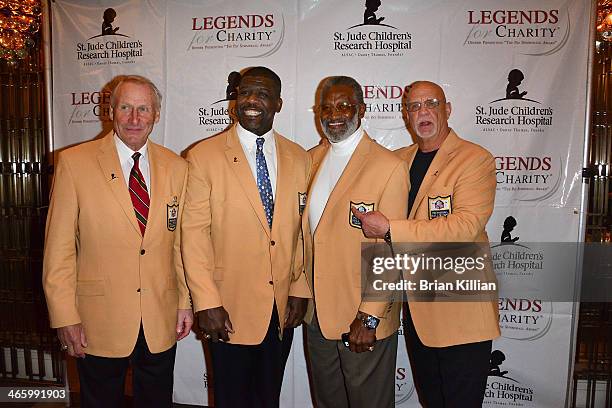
x=448 y=377
x=343 y=379
x=251 y=375
x=102 y=379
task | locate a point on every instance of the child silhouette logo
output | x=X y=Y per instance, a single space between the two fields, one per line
x=515 y=78
x=369 y=15
x=509 y=224
x=108 y=17
x=497 y=358
x=231 y=92
x=107 y=24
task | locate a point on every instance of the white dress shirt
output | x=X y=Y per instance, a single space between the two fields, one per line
x=249 y=146
x=125 y=158
x=332 y=167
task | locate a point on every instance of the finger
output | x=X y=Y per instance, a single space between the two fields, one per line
x=83 y=338
x=287 y=313
x=290 y=321
x=228 y=326
x=188 y=326
x=77 y=349
x=357 y=213
x=223 y=335
x=70 y=351
x=180 y=329
x=214 y=337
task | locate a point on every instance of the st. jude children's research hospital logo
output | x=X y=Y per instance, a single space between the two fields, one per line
x=514 y=112
x=250 y=35
x=220 y=114
x=374 y=36
x=110 y=46
x=503 y=386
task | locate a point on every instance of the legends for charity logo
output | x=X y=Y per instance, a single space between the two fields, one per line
x=249 y=35
x=536 y=32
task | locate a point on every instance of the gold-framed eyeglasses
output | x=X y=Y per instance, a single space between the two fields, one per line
x=431 y=103
x=342 y=107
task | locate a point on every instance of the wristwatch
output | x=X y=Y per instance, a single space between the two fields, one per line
x=369 y=322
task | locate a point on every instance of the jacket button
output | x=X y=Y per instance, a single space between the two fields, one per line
x=272 y=243
x=142 y=252
x=271 y=283
x=138 y=290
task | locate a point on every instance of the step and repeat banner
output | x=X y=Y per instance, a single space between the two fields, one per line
x=515 y=72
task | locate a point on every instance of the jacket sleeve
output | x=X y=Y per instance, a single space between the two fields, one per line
x=197 y=247
x=183 y=291
x=299 y=285
x=60 y=253
x=394 y=204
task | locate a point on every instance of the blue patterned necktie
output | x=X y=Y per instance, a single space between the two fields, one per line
x=263 y=181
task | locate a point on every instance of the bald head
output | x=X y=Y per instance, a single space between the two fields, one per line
x=431 y=87
x=427 y=112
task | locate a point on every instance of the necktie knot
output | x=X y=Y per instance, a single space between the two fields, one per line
x=260 y=141
x=136 y=156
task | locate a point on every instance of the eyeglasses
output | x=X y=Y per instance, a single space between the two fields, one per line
x=428 y=104
x=343 y=107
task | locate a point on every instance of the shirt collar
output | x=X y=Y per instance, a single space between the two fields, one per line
x=349 y=144
x=249 y=138
x=125 y=153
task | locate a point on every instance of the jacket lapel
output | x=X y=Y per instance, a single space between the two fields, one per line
x=349 y=174
x=159 y=178
x=317 y=158
x=437 y=164
x=111 y=169
x=285 y=180
x=240 y=166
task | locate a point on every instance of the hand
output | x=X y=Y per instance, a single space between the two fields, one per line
x=215 y=323
x=73 y=336
x=184 y=321
x=296 y=309
x=360 y=338
x=373 y=224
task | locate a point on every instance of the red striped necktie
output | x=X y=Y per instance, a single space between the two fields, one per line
x=139 y=194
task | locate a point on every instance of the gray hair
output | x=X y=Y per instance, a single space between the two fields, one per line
x=342 y=80
x=136 y=79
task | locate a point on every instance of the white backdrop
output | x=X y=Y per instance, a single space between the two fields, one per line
x=474 y=48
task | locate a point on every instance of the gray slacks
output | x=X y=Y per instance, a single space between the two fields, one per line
x=343 y=379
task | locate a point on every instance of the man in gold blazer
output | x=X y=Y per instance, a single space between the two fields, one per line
x=112 y=272
x=451 y=199
x=350 y=170
x=242 y=245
